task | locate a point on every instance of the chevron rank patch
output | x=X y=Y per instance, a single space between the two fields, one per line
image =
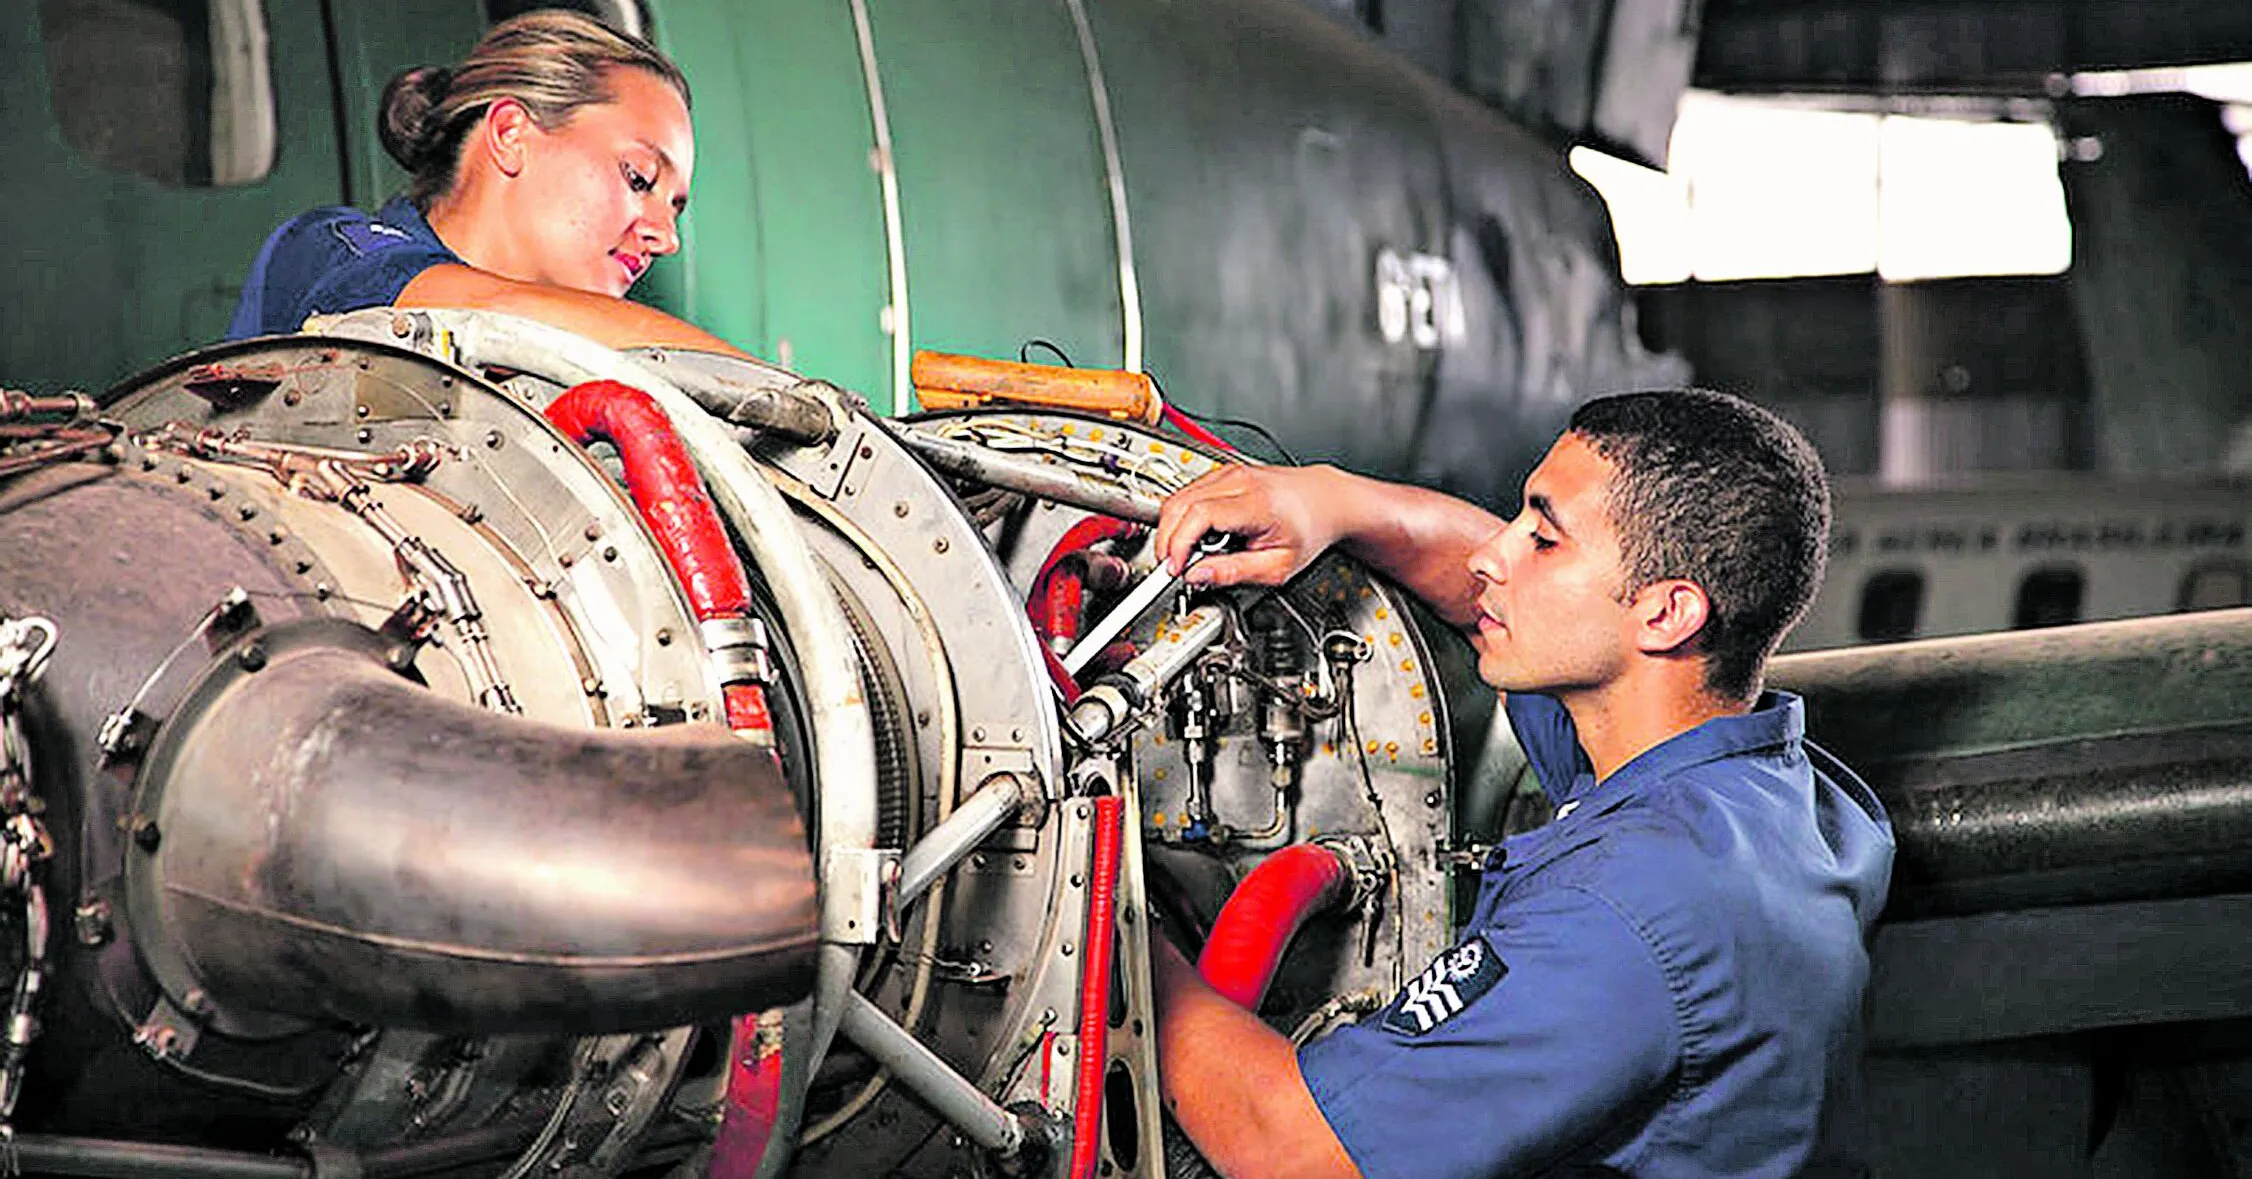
x=1453 y=981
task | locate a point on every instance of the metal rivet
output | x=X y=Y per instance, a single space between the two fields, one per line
x=899 y=509
x=1066 y=949
x=247 y=511
x=594 y=531
x=664 y=636
x=492 y=439
x=323 y=591
x=252 y=657
x=366 y=435
x=146 y=835
x=292 y=397
x=609 y=552
x=361 y=411
x=1431 y=799
x=939 y=545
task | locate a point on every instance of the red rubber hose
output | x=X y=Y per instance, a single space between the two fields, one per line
x=1094 y=990
x=670 y=494
x=1264 y=913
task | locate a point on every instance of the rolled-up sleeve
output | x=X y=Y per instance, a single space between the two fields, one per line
x=1570 y=1046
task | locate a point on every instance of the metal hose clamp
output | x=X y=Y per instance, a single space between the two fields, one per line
x=739 y=650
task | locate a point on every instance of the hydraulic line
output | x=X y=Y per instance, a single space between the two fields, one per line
x=1094 y=988
x=1262 y=915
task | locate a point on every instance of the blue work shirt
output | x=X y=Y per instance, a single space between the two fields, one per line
x=1665 y=981
x=334 y=260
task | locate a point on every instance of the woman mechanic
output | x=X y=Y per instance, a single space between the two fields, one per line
x=548 y=170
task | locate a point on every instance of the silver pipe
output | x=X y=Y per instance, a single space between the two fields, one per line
x=1030 y=476
x=949 y=1094
x=943 y=846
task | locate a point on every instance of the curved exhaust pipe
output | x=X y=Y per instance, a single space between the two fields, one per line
x=320 y=837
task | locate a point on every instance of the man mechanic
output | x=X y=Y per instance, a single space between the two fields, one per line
x=1664 y=981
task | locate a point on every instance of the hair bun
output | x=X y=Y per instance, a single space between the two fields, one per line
x=404 y=124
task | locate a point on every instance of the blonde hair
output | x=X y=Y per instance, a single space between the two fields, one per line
x=552 y=61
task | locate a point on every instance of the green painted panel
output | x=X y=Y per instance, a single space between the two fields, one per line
x=109 y=272
x=784 y=238
x=375 y=42
x=1001 y=178
x=1270 y=156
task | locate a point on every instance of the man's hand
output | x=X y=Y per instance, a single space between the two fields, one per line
x=1286 y=517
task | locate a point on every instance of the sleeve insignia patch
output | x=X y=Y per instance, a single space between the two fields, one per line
x=366 y=237
x=1453 y=981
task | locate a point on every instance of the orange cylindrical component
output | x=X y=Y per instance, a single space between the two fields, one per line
x=944 y=380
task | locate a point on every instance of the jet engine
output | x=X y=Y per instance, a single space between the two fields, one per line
x=438 y=744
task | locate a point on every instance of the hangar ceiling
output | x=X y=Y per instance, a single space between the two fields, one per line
x=1955 y=46
x=1607 y=72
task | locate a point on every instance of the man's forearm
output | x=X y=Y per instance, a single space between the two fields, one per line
x=1233 y=1084
x=1419 y=538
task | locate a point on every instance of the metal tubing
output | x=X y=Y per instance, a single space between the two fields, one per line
x=968 y=460
x=949 y=1094
x=943 y=846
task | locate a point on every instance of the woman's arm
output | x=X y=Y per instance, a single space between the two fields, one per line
x=617 y=323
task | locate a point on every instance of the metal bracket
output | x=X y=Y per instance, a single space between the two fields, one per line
x=853 y=883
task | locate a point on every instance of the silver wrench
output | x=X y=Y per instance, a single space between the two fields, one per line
x=1137 y=603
